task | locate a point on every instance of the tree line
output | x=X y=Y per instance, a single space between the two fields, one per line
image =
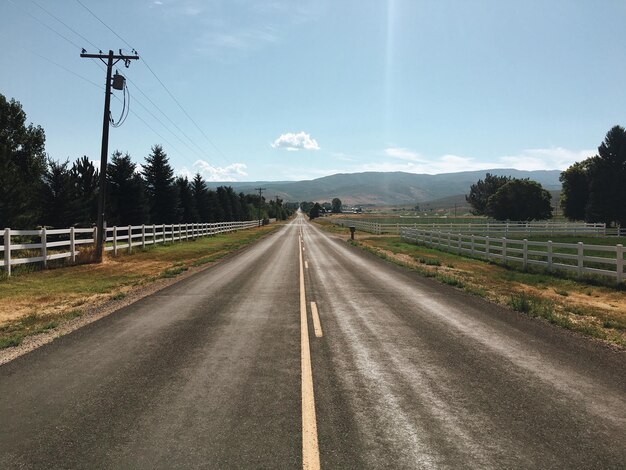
x=38 y=191
x=593 y=190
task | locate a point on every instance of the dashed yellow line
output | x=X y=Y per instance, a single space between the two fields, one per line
x=310 y=446
x=317 y=326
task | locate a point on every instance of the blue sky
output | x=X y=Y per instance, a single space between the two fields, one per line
x=285 y=90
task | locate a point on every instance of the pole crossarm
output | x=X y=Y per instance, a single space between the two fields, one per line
x=106 y=56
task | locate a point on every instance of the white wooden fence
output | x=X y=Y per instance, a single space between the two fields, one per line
x=53 y=244
x=583 y=258
x=492 y=228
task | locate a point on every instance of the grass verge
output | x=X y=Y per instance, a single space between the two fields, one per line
x=37 y=301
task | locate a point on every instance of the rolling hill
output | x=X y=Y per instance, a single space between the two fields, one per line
x=385 y=188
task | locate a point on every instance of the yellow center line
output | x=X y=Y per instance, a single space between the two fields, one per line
x=317 y=326
x=310 y=447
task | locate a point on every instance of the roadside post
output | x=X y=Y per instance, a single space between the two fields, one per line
x=352 y=230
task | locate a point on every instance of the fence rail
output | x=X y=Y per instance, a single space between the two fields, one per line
x=495 y=228
x=66 y=243
x=583 y=258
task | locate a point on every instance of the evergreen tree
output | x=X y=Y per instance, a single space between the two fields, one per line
x=594 y=189
x=187 y=204
x=126 y=194
x=225 y=203
x=57 y=196
x=216 y=211
x=201 y=197
x=607 y=174
x=84 y=180
x=162 y=194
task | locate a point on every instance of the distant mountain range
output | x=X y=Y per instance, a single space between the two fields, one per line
x=386 y=188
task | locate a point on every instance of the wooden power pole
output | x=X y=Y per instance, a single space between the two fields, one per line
x=109 y=60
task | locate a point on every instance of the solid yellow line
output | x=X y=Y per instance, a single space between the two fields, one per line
x=317 y=326
x=310 y=447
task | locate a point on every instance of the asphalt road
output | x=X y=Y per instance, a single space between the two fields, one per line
x=212 y=373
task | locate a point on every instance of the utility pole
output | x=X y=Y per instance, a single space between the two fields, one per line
x=260 y=190
x=118 y=84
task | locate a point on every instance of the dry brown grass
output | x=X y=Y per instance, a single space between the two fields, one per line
x=46 y=297
x=594 y=310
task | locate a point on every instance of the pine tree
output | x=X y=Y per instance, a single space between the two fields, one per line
x=127 y=202
x=84 y=180
x=187 y=204
x=201 y=198
x=162 y=194
x=607 y=173
x=57 y=196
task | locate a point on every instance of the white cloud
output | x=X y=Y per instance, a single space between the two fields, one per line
x=556 y=158
x=215 y=173
x=403 y=154
x=546 y=159
x=295 y=141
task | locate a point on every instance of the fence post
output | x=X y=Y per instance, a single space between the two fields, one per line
x=143 y=236
x=7 y=251
x=130 y=239
x=459 y=242
x=487 y=247
x=44 y=248
x=525 y=254
x=72 y=245
x=154 y=237
x=115 y=240
x=472 y=244
x=164 y=241
x=549 y=255
x=504 y=249
x=619 y=249
x=581 y=257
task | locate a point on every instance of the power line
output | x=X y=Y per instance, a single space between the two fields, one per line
x=172 y=122
x=101 y=66
x=159 y=80
x=66 y=25
x=44 y=24
x=41 y=56
x=183 y=110
x=105 y=25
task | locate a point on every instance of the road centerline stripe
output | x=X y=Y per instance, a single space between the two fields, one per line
x=317 y=326
x=310 y=447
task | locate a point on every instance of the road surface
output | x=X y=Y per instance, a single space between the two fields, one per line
x=394 y=371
